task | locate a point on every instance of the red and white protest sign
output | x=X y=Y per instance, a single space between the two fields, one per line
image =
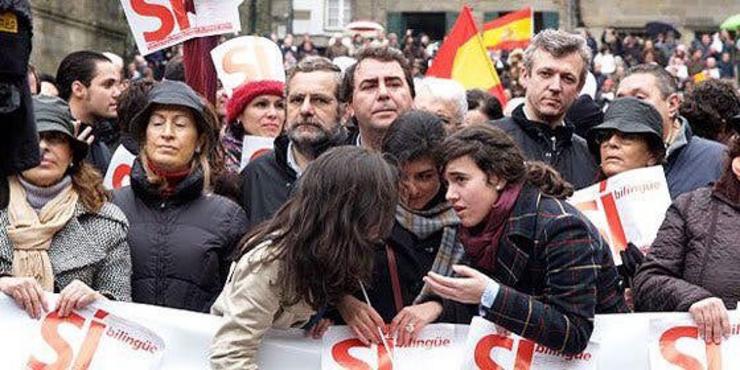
x=158 y=24
x=628 y=207
x=437 y=346
x=487 y=348
x=253 y=147
x=675 y=344
x=247 y=58
x=119 y=170
x=85 y=339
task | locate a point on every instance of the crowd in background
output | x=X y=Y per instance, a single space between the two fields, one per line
x=463 y=213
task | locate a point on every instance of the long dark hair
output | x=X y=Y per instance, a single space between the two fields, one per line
x=496 y=153
x=327 y=232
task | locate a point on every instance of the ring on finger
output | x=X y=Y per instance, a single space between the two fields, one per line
x=409 y=328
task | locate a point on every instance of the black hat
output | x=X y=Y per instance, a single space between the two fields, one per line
x=170 y=93
x=52 y=114
x=631 y=116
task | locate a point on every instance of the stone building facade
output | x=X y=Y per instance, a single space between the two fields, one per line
x=60 y=27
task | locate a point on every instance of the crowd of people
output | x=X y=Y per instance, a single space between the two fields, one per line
x=389 y=201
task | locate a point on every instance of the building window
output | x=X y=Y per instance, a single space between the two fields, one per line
x=338 y=14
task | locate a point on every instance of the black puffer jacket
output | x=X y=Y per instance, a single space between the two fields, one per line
x=560 y=148
x=181 y=245
x=266 y=183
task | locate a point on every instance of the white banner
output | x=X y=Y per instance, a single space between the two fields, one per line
x=119 y=170
x=247 y=58
x=114 y=335
x=253 y=147
x=159 y=24
x=675 y=344
x=438 y=346
x=487 y=348
x=628 y=207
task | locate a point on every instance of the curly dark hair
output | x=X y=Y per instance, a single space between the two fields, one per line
x=132 y=101
x=496 y=154
x=709 y=108
x=327 y=233
x=414 y=135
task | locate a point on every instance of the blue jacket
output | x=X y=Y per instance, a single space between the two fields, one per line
x=694 y=164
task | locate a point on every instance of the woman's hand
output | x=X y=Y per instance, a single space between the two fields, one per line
x=408 y=323
x=711 y=317
x=317 y=331
x=363 y=319
x=468 y=288
x=27 y=293
x=76 y=295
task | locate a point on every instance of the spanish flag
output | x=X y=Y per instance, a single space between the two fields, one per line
x=463 y=58
x=511 y=31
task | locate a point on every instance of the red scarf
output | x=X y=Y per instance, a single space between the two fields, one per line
x=481 y=241
x=171 y=178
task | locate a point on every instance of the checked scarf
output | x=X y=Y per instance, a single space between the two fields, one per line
x=424 y=223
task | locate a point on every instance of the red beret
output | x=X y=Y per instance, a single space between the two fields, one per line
x=248 y=91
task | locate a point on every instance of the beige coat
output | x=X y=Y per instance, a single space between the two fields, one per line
x=251 y=302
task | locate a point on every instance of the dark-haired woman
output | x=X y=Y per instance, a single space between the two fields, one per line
x=631 y=137
x=59 y=232
x=535 y=265
x=318 y=248
x=423 y=222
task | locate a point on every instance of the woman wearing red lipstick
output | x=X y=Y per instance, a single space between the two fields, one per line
x=533 y=264
x=256 y=108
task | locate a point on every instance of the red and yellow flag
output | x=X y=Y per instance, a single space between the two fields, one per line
x=511 y=31
x=463 y=58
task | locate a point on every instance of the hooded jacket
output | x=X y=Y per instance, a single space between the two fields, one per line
x=560 y=148
x=180 y=245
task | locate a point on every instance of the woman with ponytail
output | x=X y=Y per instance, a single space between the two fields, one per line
x=532 y=263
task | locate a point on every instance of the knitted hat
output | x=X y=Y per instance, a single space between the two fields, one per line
x=244 y=94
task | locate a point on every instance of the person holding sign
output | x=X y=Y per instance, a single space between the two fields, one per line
x=630 y=137
x=423 y=222
x=59 y=232
x=318 y=248
x=536 y=266
x=256 y=108
x=694 y=262
x=181 y=234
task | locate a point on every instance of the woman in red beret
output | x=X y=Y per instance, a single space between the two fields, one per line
x=256 y=108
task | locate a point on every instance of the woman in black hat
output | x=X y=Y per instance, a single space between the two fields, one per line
x=630 y=137
x=59 y=233
x=181 y=234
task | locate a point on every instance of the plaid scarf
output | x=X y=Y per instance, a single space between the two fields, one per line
x=232 y=140
x=424 y=223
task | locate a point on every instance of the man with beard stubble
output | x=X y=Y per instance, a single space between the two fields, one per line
x=312 y=126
